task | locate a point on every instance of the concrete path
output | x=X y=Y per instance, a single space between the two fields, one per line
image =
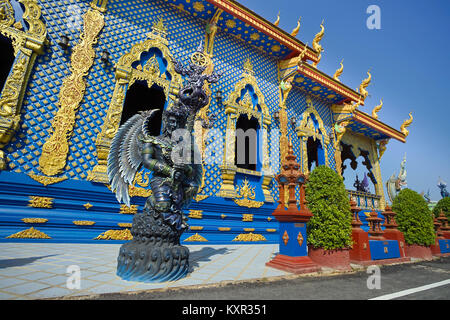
x=38 y=270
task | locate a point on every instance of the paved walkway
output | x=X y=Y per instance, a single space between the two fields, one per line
x=38 y=270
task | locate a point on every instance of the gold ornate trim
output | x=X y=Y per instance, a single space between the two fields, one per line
x=224 y=228
x=40 y=202
x=247 y=193
x=56 y=148
x=34 y=220
x=195 y=238
x=195 y=214
x=27 y=45
x=83 y=222
x=247 y=217
x=132 y=209
x=250 y=237
x=31 y=233
x=87 y=205
x=115 y=235
x=47 y=180
x=196 y=228
x=125 y=225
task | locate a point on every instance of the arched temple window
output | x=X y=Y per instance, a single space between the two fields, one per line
x=246 y=110
x=140 y=97
x=247 y=142
x=7 y=59
x=314 y=139
x=144 y=78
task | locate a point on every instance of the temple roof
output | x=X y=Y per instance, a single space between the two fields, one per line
x=248 y=26
x=365 y=124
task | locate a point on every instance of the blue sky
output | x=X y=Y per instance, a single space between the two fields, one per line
x=409 y=61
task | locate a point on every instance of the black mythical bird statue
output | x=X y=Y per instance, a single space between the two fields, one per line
x=155 y=253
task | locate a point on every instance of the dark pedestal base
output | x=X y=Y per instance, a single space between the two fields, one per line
x=155 y=253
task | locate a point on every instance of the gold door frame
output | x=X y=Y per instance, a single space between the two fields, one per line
x=27 y=45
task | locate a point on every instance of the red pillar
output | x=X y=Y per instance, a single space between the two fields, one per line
x=360 y=250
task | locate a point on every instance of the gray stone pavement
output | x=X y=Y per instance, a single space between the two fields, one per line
x=40 y=270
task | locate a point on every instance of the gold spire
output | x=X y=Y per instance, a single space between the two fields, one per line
x=406 y=124
x=376 y=109
x=364 y=84
x=316 y=44
x=297 y=28
x=278 y=19
x=339 y=71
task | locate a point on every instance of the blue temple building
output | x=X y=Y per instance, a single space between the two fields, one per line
x=74 y=70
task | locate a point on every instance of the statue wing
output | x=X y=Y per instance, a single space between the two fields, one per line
x=124 y=158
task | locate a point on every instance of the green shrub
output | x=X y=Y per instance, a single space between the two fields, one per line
x=444 y=205
x=414 y=218
x=330 y=227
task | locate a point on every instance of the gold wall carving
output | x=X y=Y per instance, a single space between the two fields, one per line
x=196 y=228
x=46 y=180
x=246 y=195
x=132 y=209
x=87 y=205
x=27 y=45
x=56 y=148
x=126 y=75
x=125 y=225
x=195 y=214
x=224 y=228
x=83 y=222
x=195 y=238
x=115 y=235
x=250 y=237
x=40 y=202
x=34 y=220
x=31 y=233
x=247 y=217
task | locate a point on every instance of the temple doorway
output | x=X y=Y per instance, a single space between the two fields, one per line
x=315 y=153
x=139 y=98
x=246 y=143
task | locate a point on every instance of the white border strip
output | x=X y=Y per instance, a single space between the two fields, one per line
x=411 y=291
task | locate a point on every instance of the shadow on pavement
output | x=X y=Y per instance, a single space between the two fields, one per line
x=8 y=263
x=205 y=254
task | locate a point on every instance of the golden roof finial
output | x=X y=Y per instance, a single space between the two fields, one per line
x=278 y=19
x=316 y=44
x=364 y=84
x=406 y=124
x=376 y=109
x=339 y=71
x=297 y=28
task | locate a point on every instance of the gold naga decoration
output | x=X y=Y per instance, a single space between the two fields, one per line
x=246 y=196
x=406 y=124
x=339 y=71
x=56 y=148
x=31 y=233
x=364 y=84
x=297 y=28
x=376 y=109
x=277 y=22
x=382 y=147
x=316 y=44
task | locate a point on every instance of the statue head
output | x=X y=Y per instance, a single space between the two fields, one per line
x=174 y=118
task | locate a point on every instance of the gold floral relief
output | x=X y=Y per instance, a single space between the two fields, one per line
x=56 y=148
